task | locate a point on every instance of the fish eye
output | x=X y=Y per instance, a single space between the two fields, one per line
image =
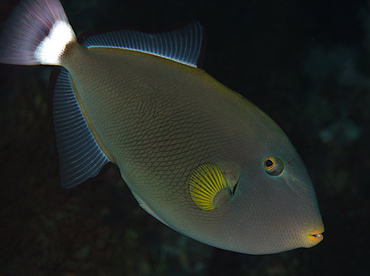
x=274 y=166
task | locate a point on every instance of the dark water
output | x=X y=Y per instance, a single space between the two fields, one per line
x=305 y=63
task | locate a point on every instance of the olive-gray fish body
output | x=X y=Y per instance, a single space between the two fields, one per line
x=196 y=155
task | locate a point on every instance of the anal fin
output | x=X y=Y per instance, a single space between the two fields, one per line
x=80 y=157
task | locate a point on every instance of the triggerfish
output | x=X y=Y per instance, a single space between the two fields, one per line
x=195 y=154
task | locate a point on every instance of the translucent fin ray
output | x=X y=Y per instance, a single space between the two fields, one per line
x=28 y=25
x=80 y=157
x=182 y=45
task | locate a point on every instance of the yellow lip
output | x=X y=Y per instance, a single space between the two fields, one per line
x=316 y=236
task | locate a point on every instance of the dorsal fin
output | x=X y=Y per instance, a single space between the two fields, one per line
x=80 y=157
x=182 y=45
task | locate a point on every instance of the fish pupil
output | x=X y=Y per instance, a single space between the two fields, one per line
x=268 y=163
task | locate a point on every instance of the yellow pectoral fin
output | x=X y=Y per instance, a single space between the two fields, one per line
x=207 y=186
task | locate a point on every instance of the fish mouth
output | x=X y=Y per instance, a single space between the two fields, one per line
x=316 y=236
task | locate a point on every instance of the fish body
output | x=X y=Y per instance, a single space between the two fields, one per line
x=196 y=155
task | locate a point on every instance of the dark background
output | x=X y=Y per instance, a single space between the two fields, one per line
x=305 y=63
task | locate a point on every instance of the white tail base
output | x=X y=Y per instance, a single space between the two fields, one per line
x=51 y=48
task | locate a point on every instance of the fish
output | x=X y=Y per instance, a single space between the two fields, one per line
x=196 y=155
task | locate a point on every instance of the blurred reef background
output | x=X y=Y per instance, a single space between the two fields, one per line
x=305 y=63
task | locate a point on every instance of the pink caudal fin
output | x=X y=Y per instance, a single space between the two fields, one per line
x=36 y=32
